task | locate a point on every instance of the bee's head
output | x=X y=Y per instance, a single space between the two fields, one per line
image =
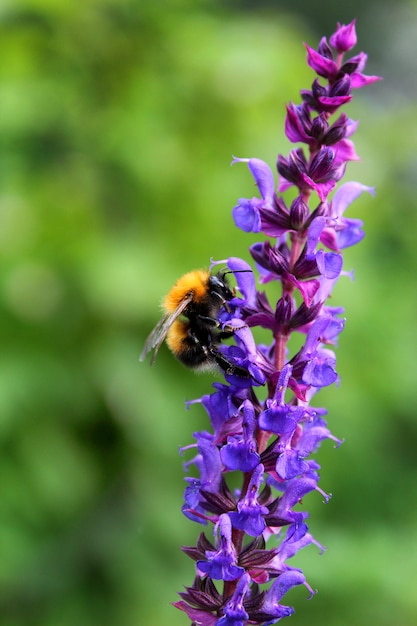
x=218 y=285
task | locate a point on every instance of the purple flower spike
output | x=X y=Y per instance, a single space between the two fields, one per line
x=256 y=465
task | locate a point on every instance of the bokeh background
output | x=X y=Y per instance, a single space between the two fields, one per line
x=118 y=120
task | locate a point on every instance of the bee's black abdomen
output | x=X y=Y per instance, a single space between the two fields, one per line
x=195 y=347
x=195 y=357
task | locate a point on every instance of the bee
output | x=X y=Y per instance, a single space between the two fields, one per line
x=191 y=323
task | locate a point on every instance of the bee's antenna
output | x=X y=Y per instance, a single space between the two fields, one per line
x=235 y=271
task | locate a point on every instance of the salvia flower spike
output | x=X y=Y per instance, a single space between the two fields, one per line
x=238 y=579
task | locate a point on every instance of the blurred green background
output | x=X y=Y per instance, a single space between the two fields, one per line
x=118 y=120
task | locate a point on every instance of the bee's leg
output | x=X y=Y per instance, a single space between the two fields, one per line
x=227 y=366
x=210 y=352
x=222 y=300
x=228 y=329
x=209 y=321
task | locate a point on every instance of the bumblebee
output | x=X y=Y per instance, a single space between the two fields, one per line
x=191 y=323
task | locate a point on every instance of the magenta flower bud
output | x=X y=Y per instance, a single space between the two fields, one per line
x=344 y=38
x=299 y=212
x=297 y=124
x=322 y=64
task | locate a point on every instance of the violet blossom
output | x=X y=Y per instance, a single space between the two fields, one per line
x=269 y=442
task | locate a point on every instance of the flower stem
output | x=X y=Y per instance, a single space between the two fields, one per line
x=281 y=341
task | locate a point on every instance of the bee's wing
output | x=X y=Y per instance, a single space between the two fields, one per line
x=157 y=336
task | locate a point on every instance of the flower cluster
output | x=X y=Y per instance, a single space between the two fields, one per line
x=270 y=441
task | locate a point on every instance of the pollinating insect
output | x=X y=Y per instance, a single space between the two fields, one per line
x=191 y=324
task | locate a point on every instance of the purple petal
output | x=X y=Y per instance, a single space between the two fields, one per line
x=284 y=184
x=307 y=288
x=291 y=463
x=192 y=499
x=315 y=333
x=320 y=372
x=328 y=238
x=251 y=521
x=244 y=334
x=295 y=490
x=280 y=586
x=218 y=406
x=322 y=189
x=221 y=563
x=345 y=151
x=282 y=383
x=210 y=466
x=330 y=104
x=239 y=455
x=246 y=216
x=336 y=325
x=329 y=263
x=350 y=234
x=280 y=419
x=313 y=235
x=312 y=437
x=351 y=127
x=345 y=195
x=264 y=178
x=297 y=538
x=234 y=612
x=250 y=514
x=245 y=280
x=220 y=569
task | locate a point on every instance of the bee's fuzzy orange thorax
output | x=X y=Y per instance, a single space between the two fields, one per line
x=194 y=282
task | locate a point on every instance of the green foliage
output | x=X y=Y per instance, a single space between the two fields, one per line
x=118 y=120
